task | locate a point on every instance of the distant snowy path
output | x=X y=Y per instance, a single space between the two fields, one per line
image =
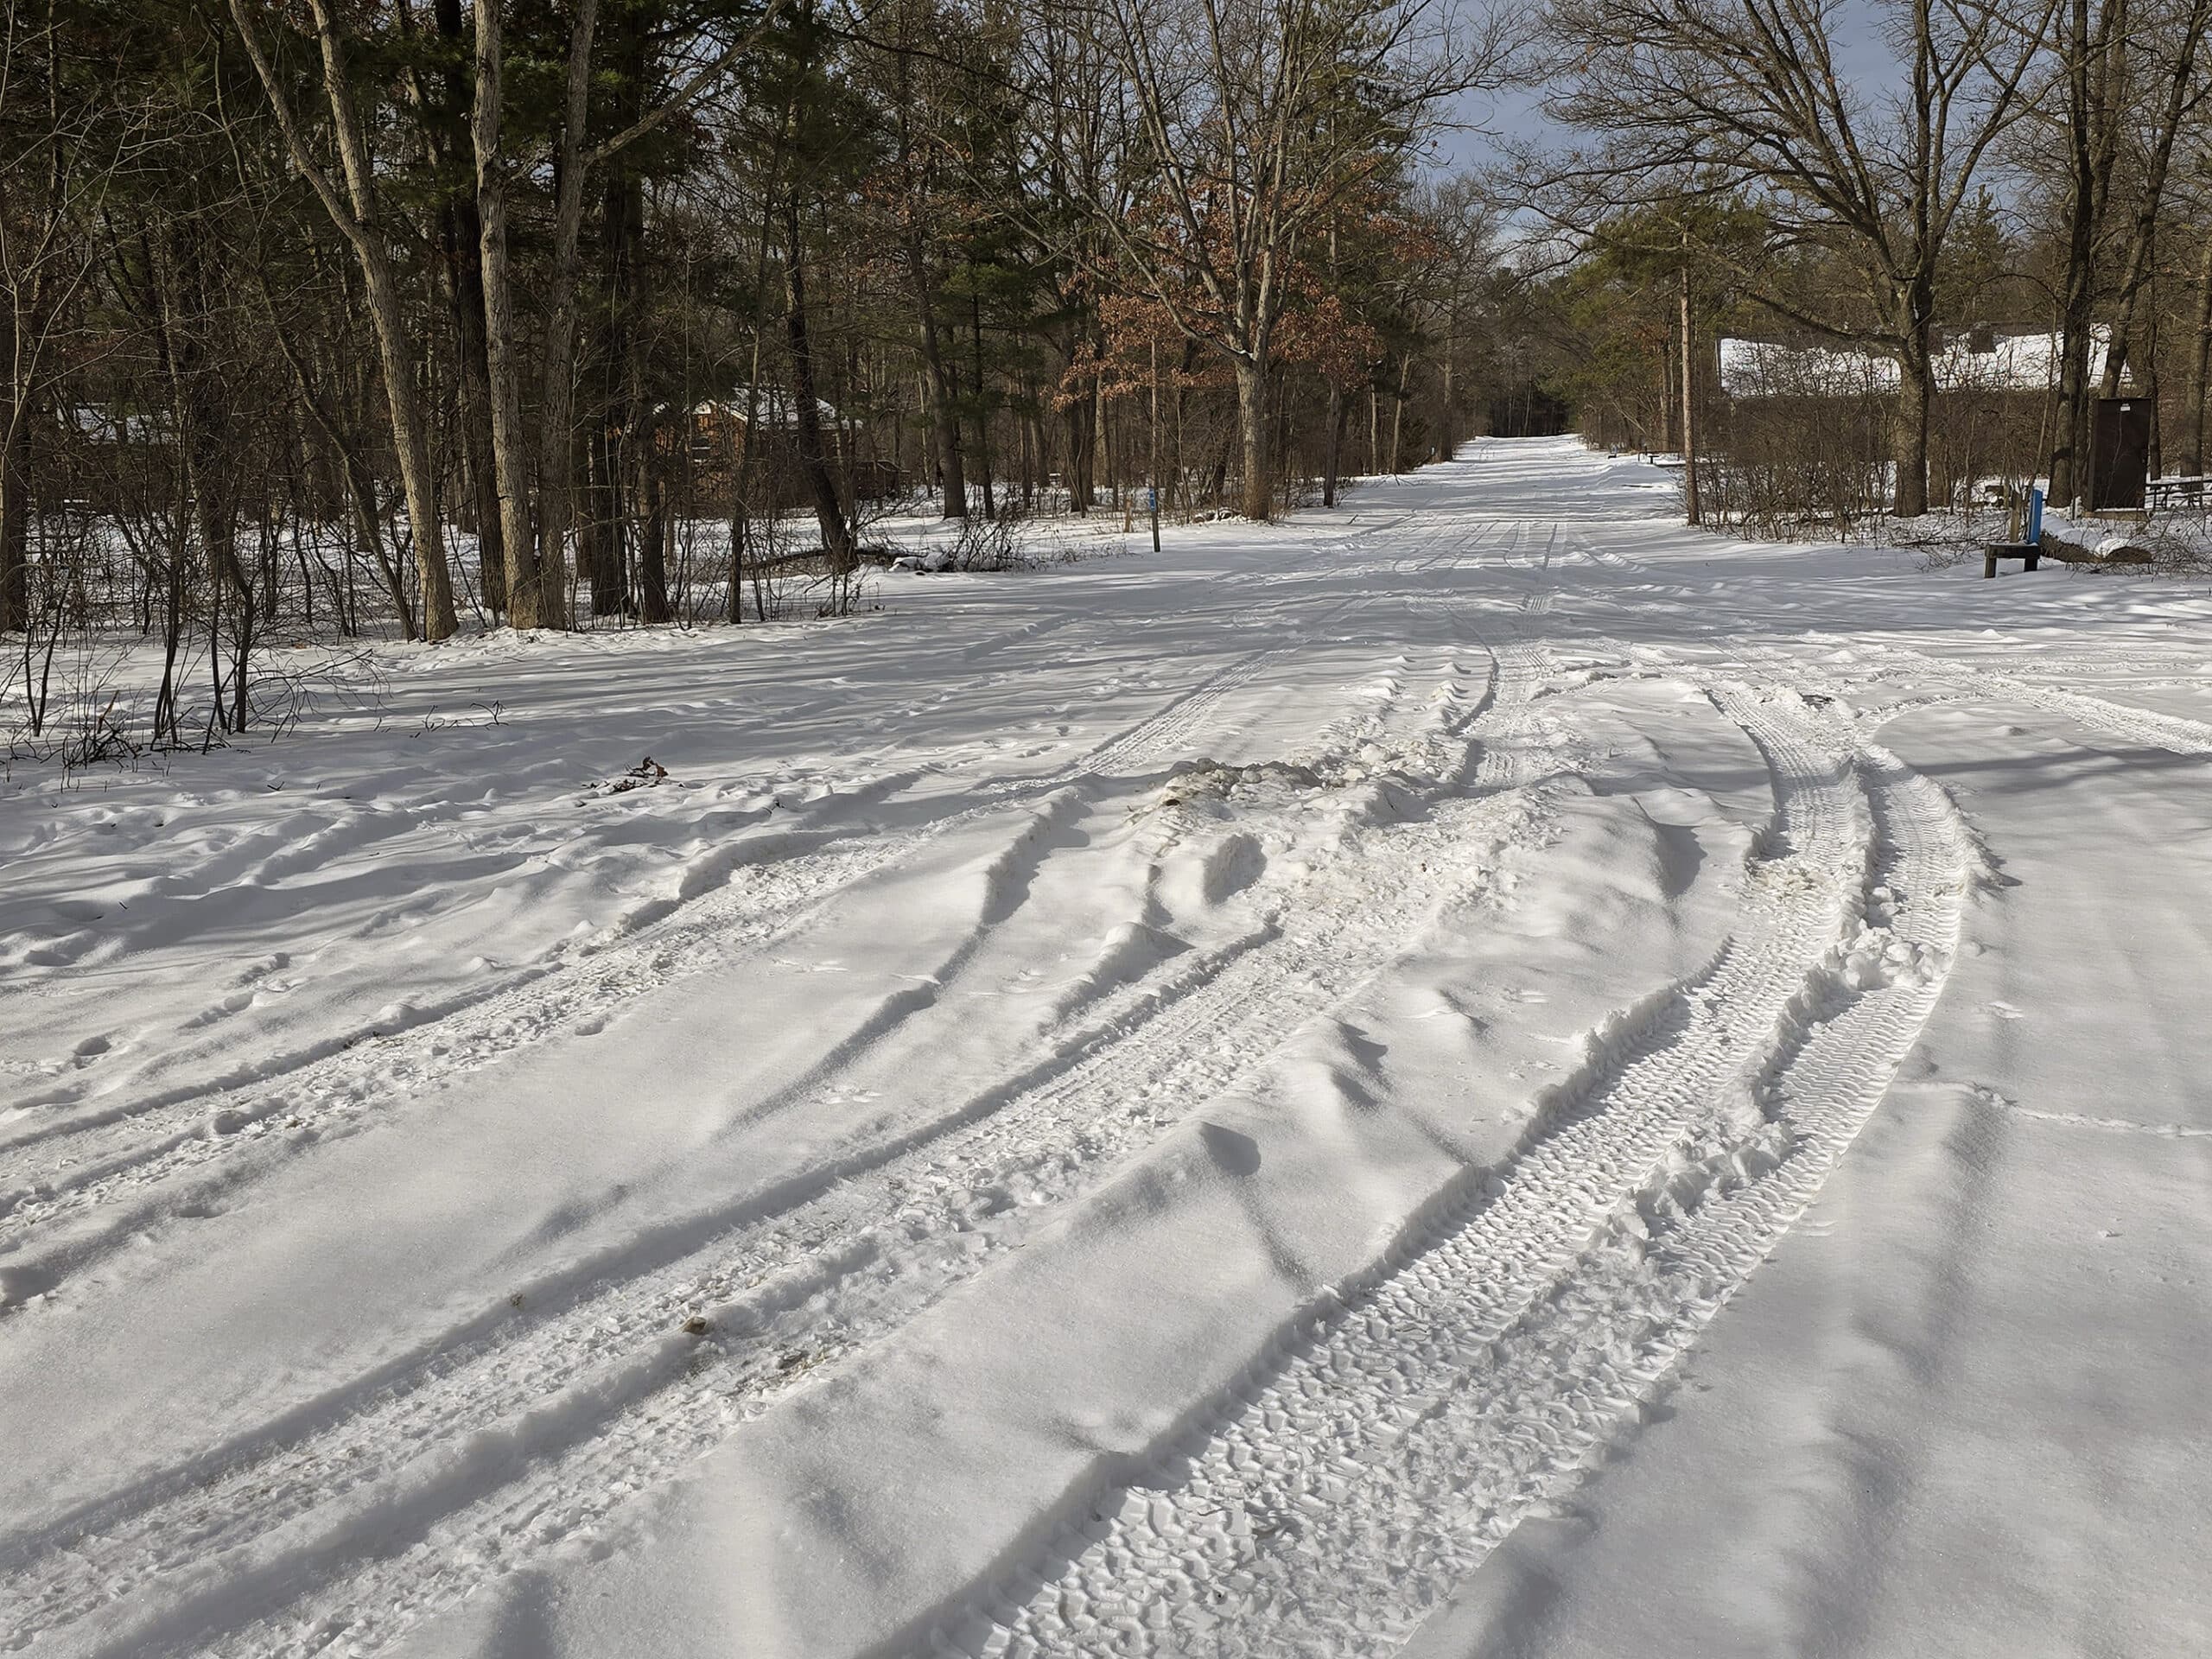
x=1480 y=1075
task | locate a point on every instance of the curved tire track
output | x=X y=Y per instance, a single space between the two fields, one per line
x=564 y=1414
x=1406 y=1423
x=141 y=1162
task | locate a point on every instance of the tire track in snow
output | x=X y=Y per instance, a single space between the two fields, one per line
x=1027 y=633
x=599 y=1394
x=1520 y=553
x=261 y=855
x=2129 y=724
x=221 y=1138
x=309 y=841
x=1405 y=1423
x=781 y=846
x=1974 y=681
x=80 y=1165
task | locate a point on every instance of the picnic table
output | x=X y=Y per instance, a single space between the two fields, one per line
x=2175 y=491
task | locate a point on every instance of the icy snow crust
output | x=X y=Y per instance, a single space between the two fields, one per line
x=1484 y=1074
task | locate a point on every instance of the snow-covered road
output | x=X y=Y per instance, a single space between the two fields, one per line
x=1479 y=1075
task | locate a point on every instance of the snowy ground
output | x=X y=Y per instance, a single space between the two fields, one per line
x=1479 y=1075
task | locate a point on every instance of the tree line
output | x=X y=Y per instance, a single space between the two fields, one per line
x=403 y=314
x=1883 y=182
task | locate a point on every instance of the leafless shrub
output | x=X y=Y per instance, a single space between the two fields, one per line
x=1001 y=542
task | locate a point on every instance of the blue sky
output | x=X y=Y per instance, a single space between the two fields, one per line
x=1518 y=115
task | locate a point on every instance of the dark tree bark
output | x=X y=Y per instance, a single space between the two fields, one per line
x=2091 y=149
x=814 y=460
x=357 y=214
x=461 y=236
x=652 y=532
x=942 y=398
x=1252 y=435
x=983 y=407
x=15 y=491
x=208 y=441
x=1693 y=509
x=2200 y=362
x=1334 y=426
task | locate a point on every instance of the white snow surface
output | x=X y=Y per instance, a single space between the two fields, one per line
x=1481 y=1074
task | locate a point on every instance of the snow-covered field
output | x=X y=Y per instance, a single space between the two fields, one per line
x=1482 y=1074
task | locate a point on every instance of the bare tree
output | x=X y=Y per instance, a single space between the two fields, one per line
x=535 y=522
x=1749 y=97
x=1462 y=217
x=2126 y=87
x=1247 y=124
x=60 y=155
x=537 y=567
x=925 y=161
x=358 y=214
x=2090 y=111
x=2174 y=48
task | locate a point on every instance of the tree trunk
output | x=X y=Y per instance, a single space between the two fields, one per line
x=612 y=467
x=2089 y=164
x=982 y=407
x=1024 y=428
x=20 y=389
x=532 y=601
x=1916 y=377
x=1451 y=422
x=2116 y=354
x=410 y=435
x=653 y=535
x=1101 y=440
x=556 y=452
x=603 y=545
x=2155 y=456
x=1335 y=429
x=15 y=483
x=1692 y=510
x=1083 y=440
x=1252 y=428
x=355 y=215
x=740 y=521
x=1398 y=411
x=1151 y=448
x=813 y=460
x=2069 y=429
x=460 y=238
x=938 y=390
x=2200 y=363
x=2149 y=193
x=206 y=445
